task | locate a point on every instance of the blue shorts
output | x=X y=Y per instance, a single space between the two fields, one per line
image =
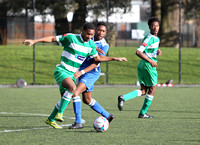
x=89 y=79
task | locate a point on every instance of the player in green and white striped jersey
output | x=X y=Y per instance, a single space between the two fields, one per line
x=147 y=73
x=77 y=47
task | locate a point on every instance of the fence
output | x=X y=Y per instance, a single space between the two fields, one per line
x=14 y=29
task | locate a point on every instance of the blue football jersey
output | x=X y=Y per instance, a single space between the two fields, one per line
x=103 y=45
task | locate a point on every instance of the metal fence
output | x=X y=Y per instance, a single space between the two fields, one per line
x=14 y=29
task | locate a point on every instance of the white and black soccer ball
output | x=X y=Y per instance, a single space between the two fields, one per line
x=101 y=124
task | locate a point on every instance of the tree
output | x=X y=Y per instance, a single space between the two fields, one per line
x=59 y=9
x=98 y=8
x=80 y=15
x=168 y=12
x=192 y=12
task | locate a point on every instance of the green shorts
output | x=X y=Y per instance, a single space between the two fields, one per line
x=147 y=74
x=60 y=73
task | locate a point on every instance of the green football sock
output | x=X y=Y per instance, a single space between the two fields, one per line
x=132 y=95
x=64 y=101
x=53 y=114
x=147 y=102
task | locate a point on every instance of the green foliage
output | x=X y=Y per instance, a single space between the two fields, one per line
x=176 y=119
x=17 y=62
x=192 y=9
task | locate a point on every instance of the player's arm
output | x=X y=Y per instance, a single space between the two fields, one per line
x=159 y=53
x=105 y=58
x=86 y=70
x=100 y=51
x=143 y=56
x=48 y=39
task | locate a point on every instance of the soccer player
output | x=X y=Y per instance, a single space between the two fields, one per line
x=87 y=80
x=147 y=73
x=77 y=47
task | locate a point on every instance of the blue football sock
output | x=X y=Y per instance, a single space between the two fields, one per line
x=77 y=109
x=98 y=108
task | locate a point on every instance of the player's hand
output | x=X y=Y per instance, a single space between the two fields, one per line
x=77 y=74
x=159 y=53
x=120 y=59
x=29 y=42
x=153 y=63
x=100 y=51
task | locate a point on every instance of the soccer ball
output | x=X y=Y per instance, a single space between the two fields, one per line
x=101 y=124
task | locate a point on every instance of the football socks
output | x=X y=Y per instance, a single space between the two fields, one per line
x=98 y=108
x=147 y=102
x=77 y=109
x=65 y=101
x=132 y=95
x=53 y=114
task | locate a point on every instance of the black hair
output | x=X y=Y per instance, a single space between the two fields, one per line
x=153 y=19
x=88 y=26
x=102 y=23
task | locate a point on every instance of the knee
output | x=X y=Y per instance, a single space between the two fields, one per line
x=73 y=89
x=75 y=93
x=144 y=92
x=87 y=101
x=152 y=91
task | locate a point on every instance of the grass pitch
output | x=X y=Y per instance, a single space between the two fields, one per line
x=176 y=111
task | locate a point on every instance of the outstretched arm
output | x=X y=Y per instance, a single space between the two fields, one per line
x=105 y=58
x=97 y=59
x=44 y=39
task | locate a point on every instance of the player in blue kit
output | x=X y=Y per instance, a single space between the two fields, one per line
x=87 y=80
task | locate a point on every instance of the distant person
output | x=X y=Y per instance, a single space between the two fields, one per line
x=147 y=73
x=77 y=47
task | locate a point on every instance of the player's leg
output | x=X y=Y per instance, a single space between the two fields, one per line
x=69 y=86
x=87 y=99
x=77 y=106
x=61 y=106
x=131 y=95
x=148 y=76
x=147 y=102
x=135 y=93
x=51 y=119
x=59 y=117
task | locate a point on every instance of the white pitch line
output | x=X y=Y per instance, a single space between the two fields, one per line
x=18 y=130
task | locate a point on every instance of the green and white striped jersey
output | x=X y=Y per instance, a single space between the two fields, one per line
x=75 y=50
x=150 y=46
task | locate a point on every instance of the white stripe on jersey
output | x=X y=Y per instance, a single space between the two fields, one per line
x=68 y=67
x=80 y=48
x=141 y=48
x=155 y=45
x=72 y=57
x=148 y=38
x=150 y=55
x=57 y=39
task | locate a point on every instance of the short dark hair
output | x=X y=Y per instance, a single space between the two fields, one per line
x=153 y=19
x=88 y=26
x=102 y=23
